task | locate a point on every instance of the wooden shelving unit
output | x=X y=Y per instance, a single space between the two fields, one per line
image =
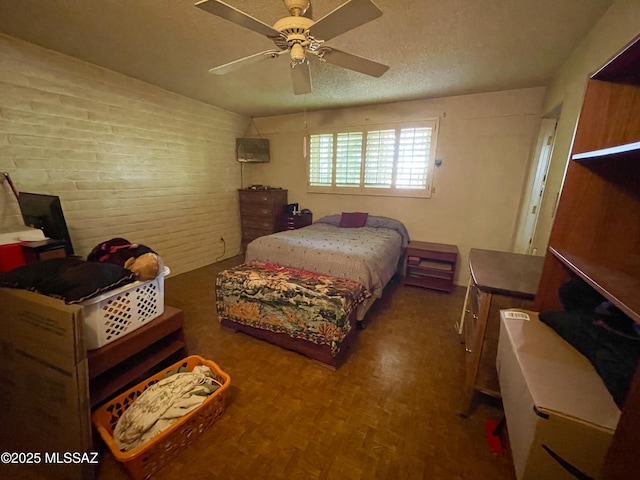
x=120 y=363
x=596 y=233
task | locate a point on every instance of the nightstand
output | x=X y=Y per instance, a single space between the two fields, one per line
x=295 y=221
x=431 y=265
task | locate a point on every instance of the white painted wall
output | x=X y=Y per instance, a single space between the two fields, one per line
x=127 y=159
x=485 y=143
x=619 y=25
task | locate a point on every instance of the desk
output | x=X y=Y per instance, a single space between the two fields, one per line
x=117 y=364
x=43 y=250
x=498 y=280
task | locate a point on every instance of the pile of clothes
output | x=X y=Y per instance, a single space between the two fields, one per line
x=608 y=338
x=162 y=404
x=110 y=265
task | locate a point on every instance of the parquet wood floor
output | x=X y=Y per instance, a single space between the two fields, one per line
x=390 y=412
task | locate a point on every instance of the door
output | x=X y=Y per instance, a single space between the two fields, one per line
x=537 y=183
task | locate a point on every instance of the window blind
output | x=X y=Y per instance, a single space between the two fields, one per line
x=348 y=159
x=395 y=160
x=321 y=160
x=413 y=155
x=378 y=170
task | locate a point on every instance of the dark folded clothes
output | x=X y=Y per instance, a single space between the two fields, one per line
x=70 y=279
x=613 y=353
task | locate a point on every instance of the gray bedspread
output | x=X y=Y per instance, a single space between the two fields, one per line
x=368 y=255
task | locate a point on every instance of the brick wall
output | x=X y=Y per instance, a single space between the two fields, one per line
x=126 y=158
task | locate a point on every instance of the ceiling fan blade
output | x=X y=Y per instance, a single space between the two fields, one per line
x=301 y=76
x=236 y=16
x=246 y=61
x=349 y=15
x=354 y=62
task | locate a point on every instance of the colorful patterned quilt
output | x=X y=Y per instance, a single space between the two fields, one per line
x=301 y=304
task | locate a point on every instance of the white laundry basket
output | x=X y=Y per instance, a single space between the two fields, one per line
x=115 y=313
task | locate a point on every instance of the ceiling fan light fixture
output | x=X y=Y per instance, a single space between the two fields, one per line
x=297 y=54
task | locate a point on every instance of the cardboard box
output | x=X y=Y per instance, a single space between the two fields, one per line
x=559 y=413
x=44 y=387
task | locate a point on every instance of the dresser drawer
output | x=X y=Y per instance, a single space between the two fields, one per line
x=259 y=223
x=257 y=210
x=263 y=197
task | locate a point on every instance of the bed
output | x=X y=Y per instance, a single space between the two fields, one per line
x=331 y=272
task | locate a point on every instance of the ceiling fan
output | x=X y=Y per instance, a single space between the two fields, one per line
x=302 y=38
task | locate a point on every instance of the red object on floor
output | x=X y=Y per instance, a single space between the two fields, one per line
x=11 y=256
x=495 y=443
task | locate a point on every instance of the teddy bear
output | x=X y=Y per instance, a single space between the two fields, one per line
x=146 y=266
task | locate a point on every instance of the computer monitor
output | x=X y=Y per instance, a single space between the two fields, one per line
x=45 y=213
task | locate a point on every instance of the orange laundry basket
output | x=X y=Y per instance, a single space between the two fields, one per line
x=145 y=460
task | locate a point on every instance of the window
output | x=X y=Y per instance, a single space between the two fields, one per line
x=394 y=161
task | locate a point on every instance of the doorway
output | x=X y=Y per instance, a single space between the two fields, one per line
x=537 y=183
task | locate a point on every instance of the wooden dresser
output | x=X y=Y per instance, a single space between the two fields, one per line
x=498 y=280
x=261 y=213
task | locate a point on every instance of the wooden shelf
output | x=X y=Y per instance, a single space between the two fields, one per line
x=107 y=384
x=609 y=280
x=621 y=151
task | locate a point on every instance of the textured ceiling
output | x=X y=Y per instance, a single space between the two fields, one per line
x=434 y=47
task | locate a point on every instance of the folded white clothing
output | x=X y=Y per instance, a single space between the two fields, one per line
x=161 y=405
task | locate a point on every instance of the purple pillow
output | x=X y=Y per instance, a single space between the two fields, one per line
x=353 y=220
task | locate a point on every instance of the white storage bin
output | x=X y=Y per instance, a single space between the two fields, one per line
x=115 y=313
